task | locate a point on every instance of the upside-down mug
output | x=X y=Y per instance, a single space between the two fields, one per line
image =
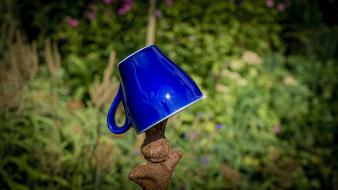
x=152 y=89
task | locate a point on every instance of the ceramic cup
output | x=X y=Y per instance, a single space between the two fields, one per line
x=152 y=89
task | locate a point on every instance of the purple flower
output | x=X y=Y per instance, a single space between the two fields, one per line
x=90 y=15
x=277 y=128
x=158 y=13
x=73 y=22
x=269 y=3
x=108 y=1
x=125 y=7
x=281 y=7
x=205 y=160
x=170 y=2
x=218 y=126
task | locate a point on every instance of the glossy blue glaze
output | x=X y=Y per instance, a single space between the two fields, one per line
x=153 y=89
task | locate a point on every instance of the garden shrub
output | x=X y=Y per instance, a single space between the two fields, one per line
x=268 y=122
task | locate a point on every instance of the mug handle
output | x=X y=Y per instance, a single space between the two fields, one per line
x=114 y=128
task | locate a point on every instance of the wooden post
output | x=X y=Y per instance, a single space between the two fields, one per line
x=151 y=23
x=161 y=160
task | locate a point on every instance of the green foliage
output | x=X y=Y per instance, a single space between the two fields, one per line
x=208 y=35
x=53 y=145
x=268 y=122
x=240 y=127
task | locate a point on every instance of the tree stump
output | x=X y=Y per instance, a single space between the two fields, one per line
x=161 y=160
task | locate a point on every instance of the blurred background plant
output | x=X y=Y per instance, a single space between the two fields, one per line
x=268 y=68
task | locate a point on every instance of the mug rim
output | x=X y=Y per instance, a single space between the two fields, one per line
x=172 y=114
x=136 y=52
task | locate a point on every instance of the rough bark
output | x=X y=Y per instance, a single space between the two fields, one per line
x=161 y=160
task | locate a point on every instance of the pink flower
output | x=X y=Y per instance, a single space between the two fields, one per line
x=170 y=2
x=125 y=7
x=73 y=22
x=90 y=15
x=158 y=13
x=269 y=3
x=277 y=128
x=281 y=7
x=191 y=135
x=108 y=1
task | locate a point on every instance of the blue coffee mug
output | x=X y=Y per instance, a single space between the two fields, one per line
x=152 y=89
